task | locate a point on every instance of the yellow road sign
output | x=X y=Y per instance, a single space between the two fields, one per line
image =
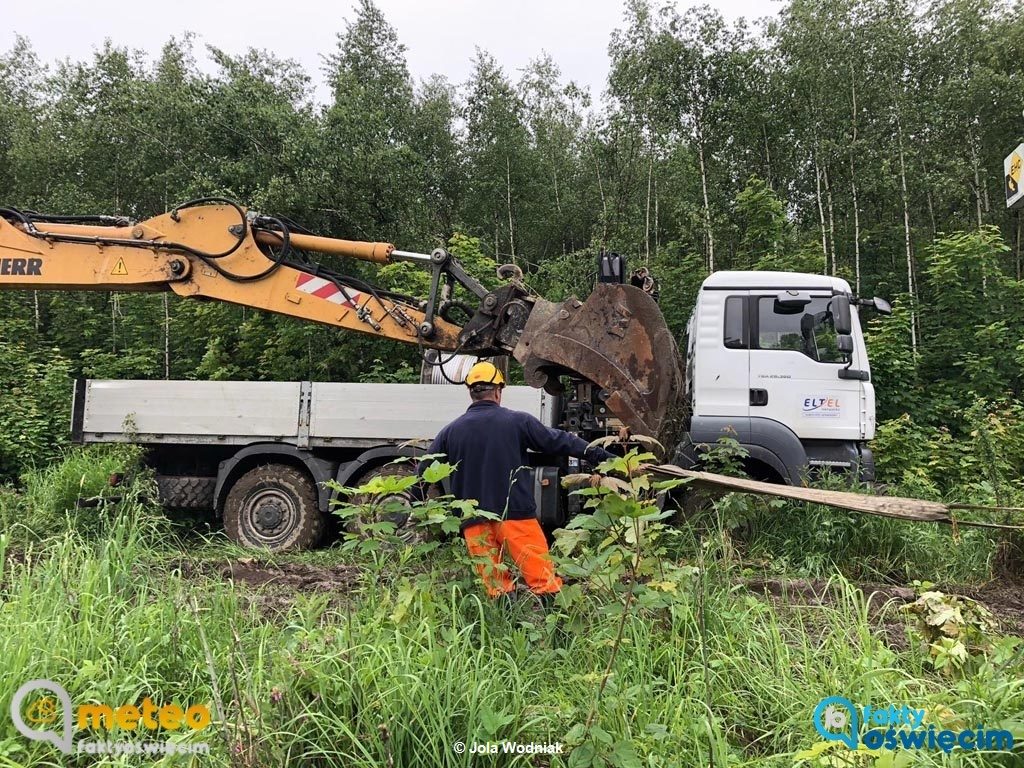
x=1013 y=170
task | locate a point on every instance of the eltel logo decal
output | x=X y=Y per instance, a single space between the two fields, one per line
x=822 y=407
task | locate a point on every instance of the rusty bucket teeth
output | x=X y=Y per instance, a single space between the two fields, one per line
x=617 y=339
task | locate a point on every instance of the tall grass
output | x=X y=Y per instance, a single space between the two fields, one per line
x=394 y=671
x=71 y=494
x=818 y=541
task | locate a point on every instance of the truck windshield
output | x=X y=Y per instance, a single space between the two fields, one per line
x=809 y=329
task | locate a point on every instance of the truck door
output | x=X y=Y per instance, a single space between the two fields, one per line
x=795 y=365
x=720 y=357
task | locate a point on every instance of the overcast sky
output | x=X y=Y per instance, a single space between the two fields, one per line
x=440 y=35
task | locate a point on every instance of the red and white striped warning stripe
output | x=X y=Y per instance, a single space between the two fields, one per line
x=325 y=289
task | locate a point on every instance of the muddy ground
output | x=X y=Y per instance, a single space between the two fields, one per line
x=1005 y=600
x=275 y=585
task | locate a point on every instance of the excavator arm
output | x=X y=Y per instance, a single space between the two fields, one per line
x=211 y=250
x=215 y=249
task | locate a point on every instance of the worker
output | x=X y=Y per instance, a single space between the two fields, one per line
x=488 y=445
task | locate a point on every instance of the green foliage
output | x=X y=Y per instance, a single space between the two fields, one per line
x=956 y=629
x=679 y=273
x=560 y=277
x=804 y=257
x=74 y=493
x=606 y=547
x=984 y=467
x=976 y=320
x=732 y=138
x=383 y=373
x=620 y=544
x=126 y=364
x=725 y=457
x=388 y=655
x=35 y=407
x=469 y=251
x=761 y=218
x=721 y=138
x=389 y=510
x=888 y=340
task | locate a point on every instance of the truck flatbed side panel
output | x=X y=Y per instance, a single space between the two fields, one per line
x=216 y=410
x=403 y=411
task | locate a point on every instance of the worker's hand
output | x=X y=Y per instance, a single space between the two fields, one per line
x=624 y=434
x=596 y=454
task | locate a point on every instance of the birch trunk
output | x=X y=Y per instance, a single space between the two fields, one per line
x=114 y=309
x=978 y=202
x=647 y=221
x=928 y=200
x=906 y=235
x=853 y=183
x=554 y=177
x=657 y=239
x=831 y=220
x=604 y=201
x=821 y=211
x=977 y=189
x=707 y=207
x=508 y=200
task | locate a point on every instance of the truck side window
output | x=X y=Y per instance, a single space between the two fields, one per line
x=735 y=338
x=809 y=329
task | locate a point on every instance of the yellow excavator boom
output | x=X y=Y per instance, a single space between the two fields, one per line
x=208 y=251
x=215 y=249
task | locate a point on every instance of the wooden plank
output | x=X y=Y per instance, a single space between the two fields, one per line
x=896 y=507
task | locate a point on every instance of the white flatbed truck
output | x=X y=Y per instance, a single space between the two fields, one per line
x=776 y=361
x=260 y=453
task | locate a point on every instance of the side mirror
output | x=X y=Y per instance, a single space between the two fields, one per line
x=841 y=312
x=881 y=306
x=844 y=343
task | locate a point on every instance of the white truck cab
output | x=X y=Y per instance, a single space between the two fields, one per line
x=777 y=361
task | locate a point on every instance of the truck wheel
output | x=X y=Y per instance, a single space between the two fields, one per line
x=186 y=492
x=273 y=507
x=394 y=508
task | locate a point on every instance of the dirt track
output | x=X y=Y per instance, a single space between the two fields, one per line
x=273 y=587
x=1005 y=599
x=277 y=584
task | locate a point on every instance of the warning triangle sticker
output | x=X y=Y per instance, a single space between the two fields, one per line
x=119 y=268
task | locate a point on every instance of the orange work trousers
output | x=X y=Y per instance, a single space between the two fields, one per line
x=525 y=543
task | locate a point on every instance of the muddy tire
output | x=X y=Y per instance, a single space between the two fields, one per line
x=390 y=508
x=186 y=492
x=274 y=507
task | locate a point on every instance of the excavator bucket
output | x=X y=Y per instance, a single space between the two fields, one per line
x=617 y=339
